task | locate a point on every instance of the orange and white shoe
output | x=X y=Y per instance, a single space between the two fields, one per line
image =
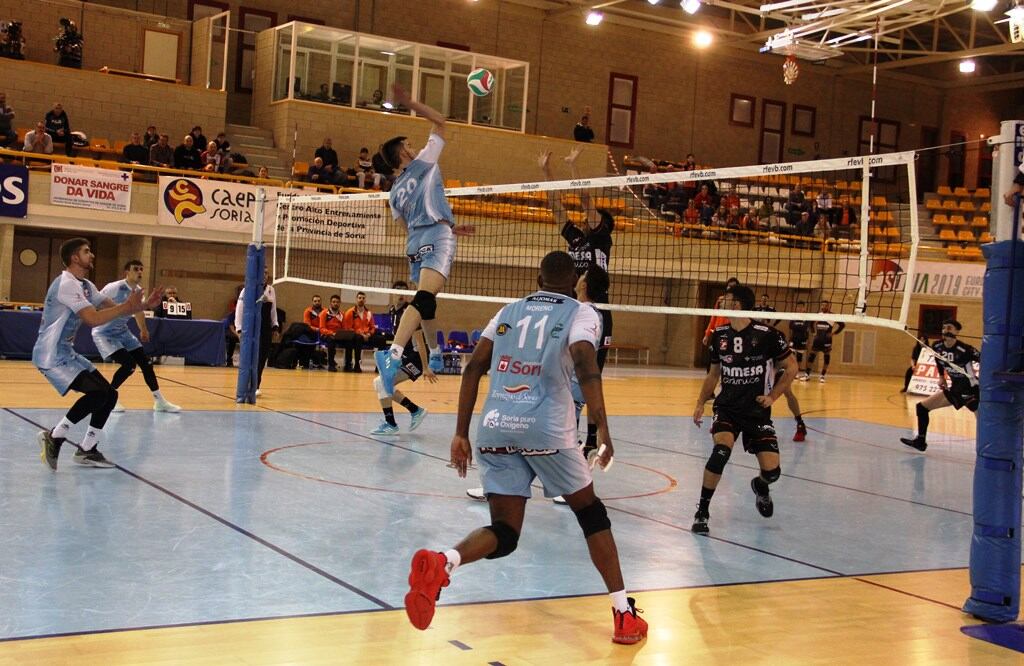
x=427 y=576
x=629 y=627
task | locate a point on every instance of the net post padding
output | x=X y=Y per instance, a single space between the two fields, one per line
x=248 y=361
x=996 y=541
x=651 y=255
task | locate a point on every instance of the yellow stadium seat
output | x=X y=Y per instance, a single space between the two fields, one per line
x=979 y=221
x=967 y=206
x=947 y=235
x=944 y=191
x=966 y=236
x=879 y=202
x=982 y=193
x=892 y=232
x=972 y=253
x=940 y=219
x=300 y=169
x=950 y=204
x=961 y=192
x=957 y=221
x=986 y=207
x=985 y=237
x=954 y=253
x=452 y=182
x=932 y=204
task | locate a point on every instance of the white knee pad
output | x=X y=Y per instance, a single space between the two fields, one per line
x=379 y=386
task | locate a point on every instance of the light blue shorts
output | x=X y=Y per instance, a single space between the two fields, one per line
x=61 y=375
x=109 y=343
x=563 y=472
x=430 y=247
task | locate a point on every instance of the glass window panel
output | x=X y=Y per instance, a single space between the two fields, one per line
x=283 y=63
x=773 y=117
x=620 y=125
x=887 y=133
x=622 y=92
x=771 y=149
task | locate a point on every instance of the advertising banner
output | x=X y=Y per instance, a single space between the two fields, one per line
x=89 y=187
x=13 y=190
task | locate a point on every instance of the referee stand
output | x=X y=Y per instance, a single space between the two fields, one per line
x=996 y=541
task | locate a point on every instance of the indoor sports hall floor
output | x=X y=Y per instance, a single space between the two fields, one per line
x=282 y=533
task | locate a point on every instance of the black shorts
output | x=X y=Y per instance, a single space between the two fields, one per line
x=798 y=345
x=412 y=364
x=758 y=432
x=966 y=396
x=822 y=345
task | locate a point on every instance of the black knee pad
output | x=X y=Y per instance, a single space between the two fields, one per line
x=771 y=475
x=719 y=456
x=799 y=357
x=921 y=410
x=828 y=358
x=426 y=304
x=507 y=537
x=811 y=357
x=593 y=518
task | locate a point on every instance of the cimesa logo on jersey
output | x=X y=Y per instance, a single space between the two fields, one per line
x=508 y=422
x=749 y=375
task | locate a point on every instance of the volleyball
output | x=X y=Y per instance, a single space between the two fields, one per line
x=480 y=82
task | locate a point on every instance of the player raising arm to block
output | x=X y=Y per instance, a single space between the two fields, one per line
x=527 y=431
x=418 y=203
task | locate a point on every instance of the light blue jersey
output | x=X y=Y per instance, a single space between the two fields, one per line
x=114 y=335
x=417 y=196
x=54 y=352
x=529 y=403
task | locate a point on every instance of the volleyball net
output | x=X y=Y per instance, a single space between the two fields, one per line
x=842 y=230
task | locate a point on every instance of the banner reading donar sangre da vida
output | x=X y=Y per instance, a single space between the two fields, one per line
x=228 y=206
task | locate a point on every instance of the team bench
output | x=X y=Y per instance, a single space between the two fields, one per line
x=636 y=352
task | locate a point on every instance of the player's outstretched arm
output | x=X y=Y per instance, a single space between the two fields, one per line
x=479 y=363
x=402 y=97
x=554 y=198
x=584 y=358
x=593 y=218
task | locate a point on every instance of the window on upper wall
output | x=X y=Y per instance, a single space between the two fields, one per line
x=804 y=118
x=773 y=126
x=622 y=89
x=741 y=110
x=200 y=9
x=886 y=140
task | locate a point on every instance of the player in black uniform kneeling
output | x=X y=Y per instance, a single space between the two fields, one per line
x=744 y=356
x=822 y=342
x=956 y=360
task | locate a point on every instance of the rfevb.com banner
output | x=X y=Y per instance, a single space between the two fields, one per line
x=89 y=187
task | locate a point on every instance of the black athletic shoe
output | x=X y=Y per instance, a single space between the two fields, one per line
x=700 y=522
x=764 y=503
x=49 y=448
x=915 y=442
x=92 y=458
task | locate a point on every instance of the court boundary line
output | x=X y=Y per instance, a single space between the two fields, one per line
x=237 y=528
x=487 y=602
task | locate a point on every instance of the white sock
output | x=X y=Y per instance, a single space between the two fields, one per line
x=619 y=602
x=397 y=351
x=91 y=439
x=157 y=395
x=435 y=350
x=454 y=560
x=60 y=431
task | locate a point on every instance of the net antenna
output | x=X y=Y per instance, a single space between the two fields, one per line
x=666 y=255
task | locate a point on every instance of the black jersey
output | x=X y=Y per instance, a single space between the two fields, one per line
x=798 y=331
x=823 y=332
x=765 y=308
x=963 y=356
x=396 y=315
x=590 y=248
x=748 y=359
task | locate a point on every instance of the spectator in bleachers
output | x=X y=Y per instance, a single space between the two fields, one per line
x=804 y=224
x=333 y=333
x=795 y=205
x=186 y=155
x=171 y=296
x=8 y=137
x=199 y=139
x=38 y=140
x=135 y=152
x=826 y=206
x=223 y=145
x=330 y=162
x=325 y=94
x=318 y=173
x=160 y=153
x=263 y=173
x=730 y=200
x=364 y=170
x=846 y=222
x=151 y=137
x=212 y=159
x=703 y=200
x=359 y=320
x=583 y=132
x=692 y=214
x=58 y=126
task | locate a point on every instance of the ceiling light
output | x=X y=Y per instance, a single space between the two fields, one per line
x=984 y=5
x=653 y=2
x=967 y=66
x=702 y=39
x=690 y=6
x=595 y=18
